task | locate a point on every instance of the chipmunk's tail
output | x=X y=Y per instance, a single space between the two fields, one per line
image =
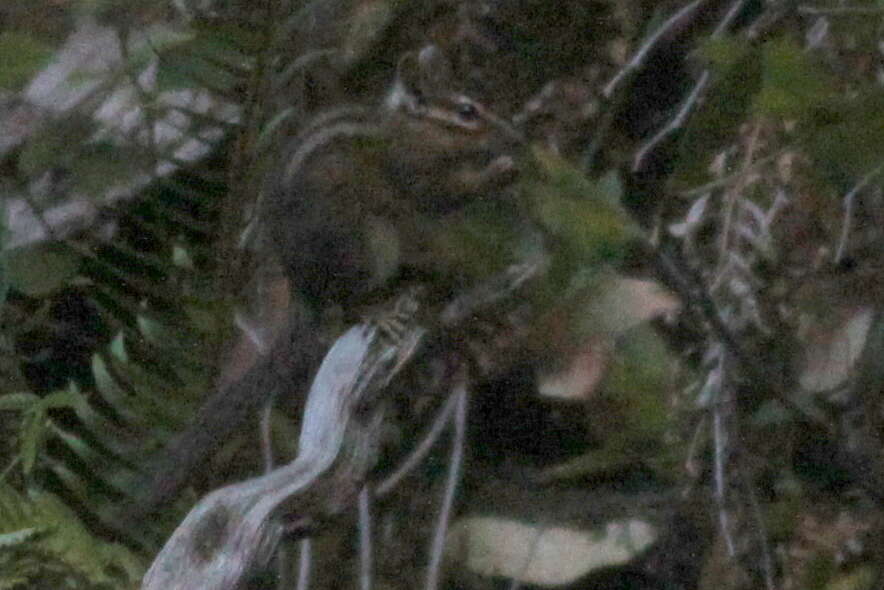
x=251 y=379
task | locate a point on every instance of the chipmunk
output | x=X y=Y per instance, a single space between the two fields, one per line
x=353 y=202
x=356 y=177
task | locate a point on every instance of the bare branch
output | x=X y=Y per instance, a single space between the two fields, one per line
x=849 y=198
x=454 y=468
x=721 y=411
x=304 y=560
x=695 y=294
x=421 y=450
x=693 y=96
x=674 y=124
x=365 y=548
x=238 y=527
x=767 y=564
x=638 y=59
x=841 y=10
x=234 y=528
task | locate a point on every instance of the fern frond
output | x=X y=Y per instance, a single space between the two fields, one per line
x=45 y=544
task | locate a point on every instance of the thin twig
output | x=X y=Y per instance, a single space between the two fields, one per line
x=721 y=438
x=454 y=468
x=282 y=561
x=365 y=549
x=841 y=11
x=304 y=561
x=726 y=180
x=639 y=58
x=693 y=97
x=420 y=451
x=265 y=433
x=728 y=19
x=674 y=124
x=691 y=289
x=733 y=196
x=693 y=450
x=848 y=211
x=15 y=461
x=283 y=553
x=761 y=529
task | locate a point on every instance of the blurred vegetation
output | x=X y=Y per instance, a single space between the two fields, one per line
x=701 y=361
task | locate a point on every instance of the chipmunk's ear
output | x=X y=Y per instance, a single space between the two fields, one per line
x=422 y=75
x=436 y=74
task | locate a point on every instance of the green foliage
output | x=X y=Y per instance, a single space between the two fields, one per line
x=482 y=242
x=39 y=271
x=136 y=357
x=587 y=233
x=216 y=57
x=637 y=386
x=44 y=545
x=591 y=234
x=22 y=56
x=794 y=86
x=779 y=80
x=35 y=420
x=160 y=310
x=847 y=144
x=638 y=423
x=582 y=215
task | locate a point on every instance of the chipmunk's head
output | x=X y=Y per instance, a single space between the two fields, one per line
x=437 y=128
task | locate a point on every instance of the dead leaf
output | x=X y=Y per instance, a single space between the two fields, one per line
x=831 y=350
x=543 y=555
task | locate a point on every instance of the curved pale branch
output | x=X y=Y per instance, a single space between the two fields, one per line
x=237 y=528
x=233 y=529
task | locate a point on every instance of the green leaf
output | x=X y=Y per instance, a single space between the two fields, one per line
x=850 y=144
x=482 y=242
x=216 y=57
x=634 y=398
x=107 y=386
x=40 y=270
x=22 y=57
x=35 y=422
x=157 y=333
x=160 y=39
x=34 y=426
x=68 y=398
x=118 y=348
x=18 y=401
x=584 y=214
x=181 y=257
x=99 y=166
x=72 y=543
x=793 y=85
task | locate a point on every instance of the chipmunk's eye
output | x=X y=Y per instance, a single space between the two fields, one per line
x=467 y=111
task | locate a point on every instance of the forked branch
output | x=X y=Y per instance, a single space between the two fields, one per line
x=237 y=528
